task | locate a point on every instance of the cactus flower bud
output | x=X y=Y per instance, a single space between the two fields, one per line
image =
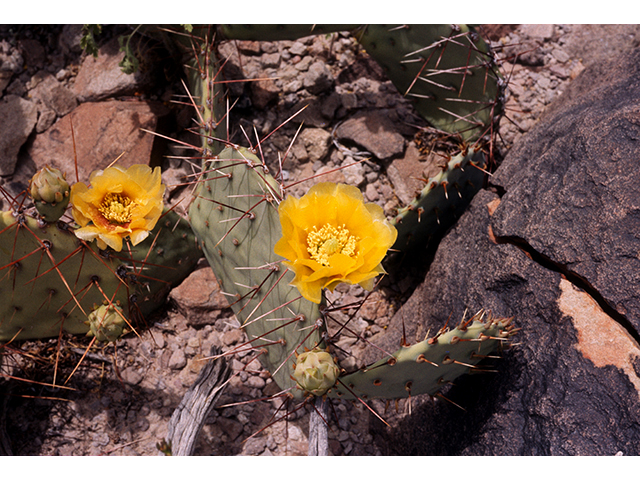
x=316 y=372
x=50 y=192
x=107 y=323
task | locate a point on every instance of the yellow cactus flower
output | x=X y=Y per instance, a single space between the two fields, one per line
x=119 y=203
x=330 y=236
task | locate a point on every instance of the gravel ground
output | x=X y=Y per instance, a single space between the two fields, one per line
x=123 y=397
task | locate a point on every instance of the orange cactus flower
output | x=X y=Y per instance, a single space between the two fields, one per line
x=330 y=236
x=119 y=203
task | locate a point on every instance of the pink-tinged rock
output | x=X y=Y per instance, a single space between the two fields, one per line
x=405 y=174
x=103 y=131
x=101 y=77
x=200 y=290
x=375 y=132
x=54 y=95
x=17 y=119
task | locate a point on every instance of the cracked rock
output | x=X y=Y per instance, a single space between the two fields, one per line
x=572 y=191
x=570 y=386
x=552 y=394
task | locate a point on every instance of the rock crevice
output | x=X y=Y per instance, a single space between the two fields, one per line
x=574 y=278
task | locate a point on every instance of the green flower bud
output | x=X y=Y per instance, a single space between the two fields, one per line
x=50 y=192
x=107 y=323
x=316 y=372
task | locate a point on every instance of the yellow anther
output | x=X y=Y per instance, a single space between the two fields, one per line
x=116 y=208
x=328 y=241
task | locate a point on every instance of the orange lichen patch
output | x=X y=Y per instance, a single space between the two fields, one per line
x=491 y=235
x=600 y=338
x=492 y=205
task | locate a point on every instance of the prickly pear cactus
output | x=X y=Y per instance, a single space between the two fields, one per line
x=441 y=201
x=234 y=216
x=429 y=365
x=50 y=280
x=447 y=70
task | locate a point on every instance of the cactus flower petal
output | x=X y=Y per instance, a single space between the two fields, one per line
x=330 y=236
x=119 y=203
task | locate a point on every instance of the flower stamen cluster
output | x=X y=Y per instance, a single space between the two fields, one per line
x=116 y=208
x=330 y=240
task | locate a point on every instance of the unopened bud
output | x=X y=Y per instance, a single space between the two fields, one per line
x=50 y=192
x=316 y=372
x=107 y=323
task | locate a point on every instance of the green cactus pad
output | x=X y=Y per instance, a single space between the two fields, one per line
x=206 y=87
x=50 y=280
x=447 y=70
x=429 y=365
x=443 y=199
x=234 y=215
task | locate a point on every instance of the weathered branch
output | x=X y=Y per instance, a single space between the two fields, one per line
x=319 y=428
x=189 y=417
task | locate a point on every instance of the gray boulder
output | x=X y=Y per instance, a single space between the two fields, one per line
x=17 y=119
x=554 y=243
